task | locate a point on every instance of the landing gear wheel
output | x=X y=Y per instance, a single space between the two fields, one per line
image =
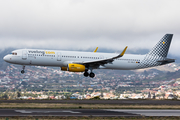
x=22 y=71
x=86 y=74
x=91 y=75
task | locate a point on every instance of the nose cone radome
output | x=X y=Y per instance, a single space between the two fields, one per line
x=9 y=59
x=6 y=58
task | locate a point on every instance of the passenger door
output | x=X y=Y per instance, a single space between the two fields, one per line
x=58 y=56
x=24 y=54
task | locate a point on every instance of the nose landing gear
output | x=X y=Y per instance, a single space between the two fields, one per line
x=22 y=71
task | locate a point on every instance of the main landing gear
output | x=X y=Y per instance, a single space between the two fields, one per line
x=22 y=71
x=91 y=74
x=86 y=74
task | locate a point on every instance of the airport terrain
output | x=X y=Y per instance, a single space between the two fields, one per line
x=90 y=104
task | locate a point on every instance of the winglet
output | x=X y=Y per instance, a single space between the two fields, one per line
x=120 y=55
x=95 y=49
x=123 y=51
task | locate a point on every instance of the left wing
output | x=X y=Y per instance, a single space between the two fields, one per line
x=95 y=49
x=103 y=61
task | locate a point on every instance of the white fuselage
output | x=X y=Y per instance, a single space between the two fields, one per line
x=63 y=58
x=84 y=61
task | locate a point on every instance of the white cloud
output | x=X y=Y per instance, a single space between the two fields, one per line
x=84 y=24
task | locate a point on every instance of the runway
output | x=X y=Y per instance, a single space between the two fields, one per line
x=120 y=102
x=87 y=112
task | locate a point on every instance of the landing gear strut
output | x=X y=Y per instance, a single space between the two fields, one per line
x=22 y=71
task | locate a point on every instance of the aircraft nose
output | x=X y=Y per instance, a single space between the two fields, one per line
x=5 y=58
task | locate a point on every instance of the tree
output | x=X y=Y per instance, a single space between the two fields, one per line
x=163 y=94
x=18 y=94
x=5 y=96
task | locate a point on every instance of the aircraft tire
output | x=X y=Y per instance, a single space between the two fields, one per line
x=22 y=71
x=91 y=75
x=86 y=74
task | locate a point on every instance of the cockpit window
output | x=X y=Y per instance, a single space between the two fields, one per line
x=14 y=53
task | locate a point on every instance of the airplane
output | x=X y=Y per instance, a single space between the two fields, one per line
x=75 y=61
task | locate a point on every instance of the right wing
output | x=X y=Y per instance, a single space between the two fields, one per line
x=102 y=61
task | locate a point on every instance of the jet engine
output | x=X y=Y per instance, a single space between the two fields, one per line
x=64 y=68
x=74 y=68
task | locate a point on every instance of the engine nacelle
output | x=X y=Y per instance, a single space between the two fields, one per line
x=76 y=68
x=64 y=68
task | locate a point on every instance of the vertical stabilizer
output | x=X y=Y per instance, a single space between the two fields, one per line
x=162 y=47
x=157 y=56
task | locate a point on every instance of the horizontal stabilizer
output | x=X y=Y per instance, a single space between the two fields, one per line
x=167 y=61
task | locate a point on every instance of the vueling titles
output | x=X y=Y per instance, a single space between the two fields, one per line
x=43 y=52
